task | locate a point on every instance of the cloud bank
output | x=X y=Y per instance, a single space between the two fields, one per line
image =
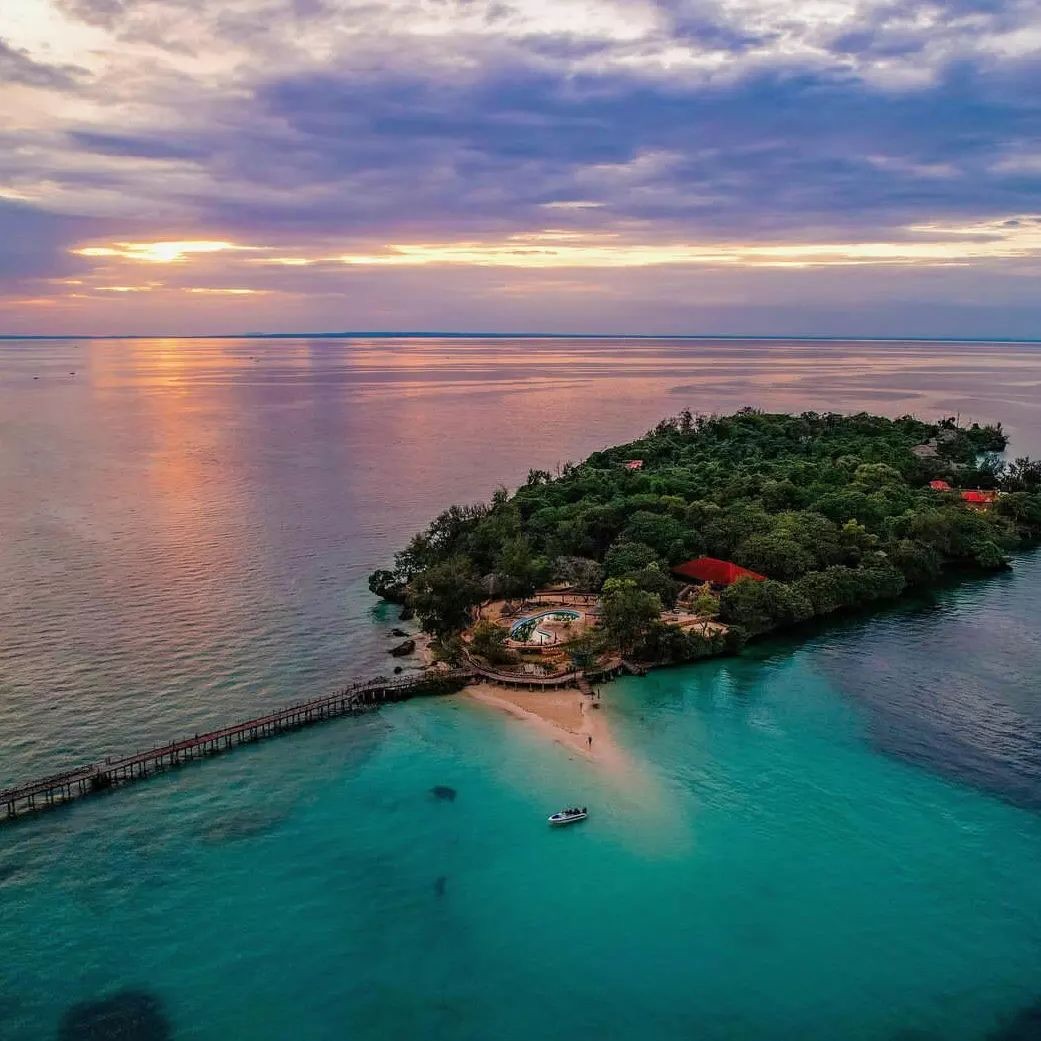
x=825 y=166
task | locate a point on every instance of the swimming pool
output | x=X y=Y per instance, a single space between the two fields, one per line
x=527 y=630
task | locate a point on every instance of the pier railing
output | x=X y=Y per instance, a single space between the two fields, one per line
x=544 y=681
x=80 y=781
x=94 y=777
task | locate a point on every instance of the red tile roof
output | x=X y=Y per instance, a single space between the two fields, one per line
x=718 y=572
x=979 y=497
x=940 y=486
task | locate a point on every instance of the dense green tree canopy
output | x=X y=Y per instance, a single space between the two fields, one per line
x=835 y=510
x=489 y=641
x=444 y=593
x=628 y=612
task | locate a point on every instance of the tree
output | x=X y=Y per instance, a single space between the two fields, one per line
x=570 y=538
x=918 y=563
x=583 y=649
x=955 y=533
x=489 y=641
x=760 y=606
x=881 y=580
x=628 y=612
x=827 y=590
x=520 y=572
x=705 y=604
x=444 y=594
x=1023 y=508
x=661 y=532
x=730 y=527
x=851 y=504
x=856 y=540
x=652 y=579
x=449 y=527
x=581 y=572
x=625 y=556
x=417 y=555
x=780 y=495
x=1022 y=475
x=877 y=475
x=988 y=555
x=774 y=554
x=485 y=542
x=670 y=643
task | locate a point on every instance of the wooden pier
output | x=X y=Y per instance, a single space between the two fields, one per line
x=96 y=777
x=539 y=681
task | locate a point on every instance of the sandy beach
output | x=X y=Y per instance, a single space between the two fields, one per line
x=564 y=716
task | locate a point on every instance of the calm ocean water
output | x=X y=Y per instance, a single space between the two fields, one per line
x=836 y=836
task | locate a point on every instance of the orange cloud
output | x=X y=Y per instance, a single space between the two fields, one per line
x=159 y=252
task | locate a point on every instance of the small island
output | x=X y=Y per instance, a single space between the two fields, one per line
x=706 y=533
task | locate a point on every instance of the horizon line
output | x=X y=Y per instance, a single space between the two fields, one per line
x=460 y=335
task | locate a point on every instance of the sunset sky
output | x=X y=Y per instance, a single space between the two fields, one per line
x=825 y=167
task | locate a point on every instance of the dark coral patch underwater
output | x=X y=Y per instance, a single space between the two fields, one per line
x=1025 y=1025
x=129 y=1015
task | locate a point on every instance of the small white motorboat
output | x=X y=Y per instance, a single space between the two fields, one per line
x=569 y=816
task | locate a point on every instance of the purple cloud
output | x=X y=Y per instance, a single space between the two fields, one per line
x=333 y=127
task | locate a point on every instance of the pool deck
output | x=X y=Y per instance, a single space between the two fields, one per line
x=511 y=613
x=552 y=626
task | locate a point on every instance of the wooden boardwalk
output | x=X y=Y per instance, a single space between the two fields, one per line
x=535 y=681
x=95 y=777
x=90 y=778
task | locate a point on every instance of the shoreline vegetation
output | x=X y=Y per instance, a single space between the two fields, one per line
x=796 y=517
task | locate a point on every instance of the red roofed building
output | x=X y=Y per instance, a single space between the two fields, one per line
x=717 y=572
x=633 y=464
x=978 y=497
x=940 y=486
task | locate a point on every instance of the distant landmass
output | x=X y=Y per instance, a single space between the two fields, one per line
x=388 y=334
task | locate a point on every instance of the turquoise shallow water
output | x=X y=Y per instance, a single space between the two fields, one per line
x=834 y=836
